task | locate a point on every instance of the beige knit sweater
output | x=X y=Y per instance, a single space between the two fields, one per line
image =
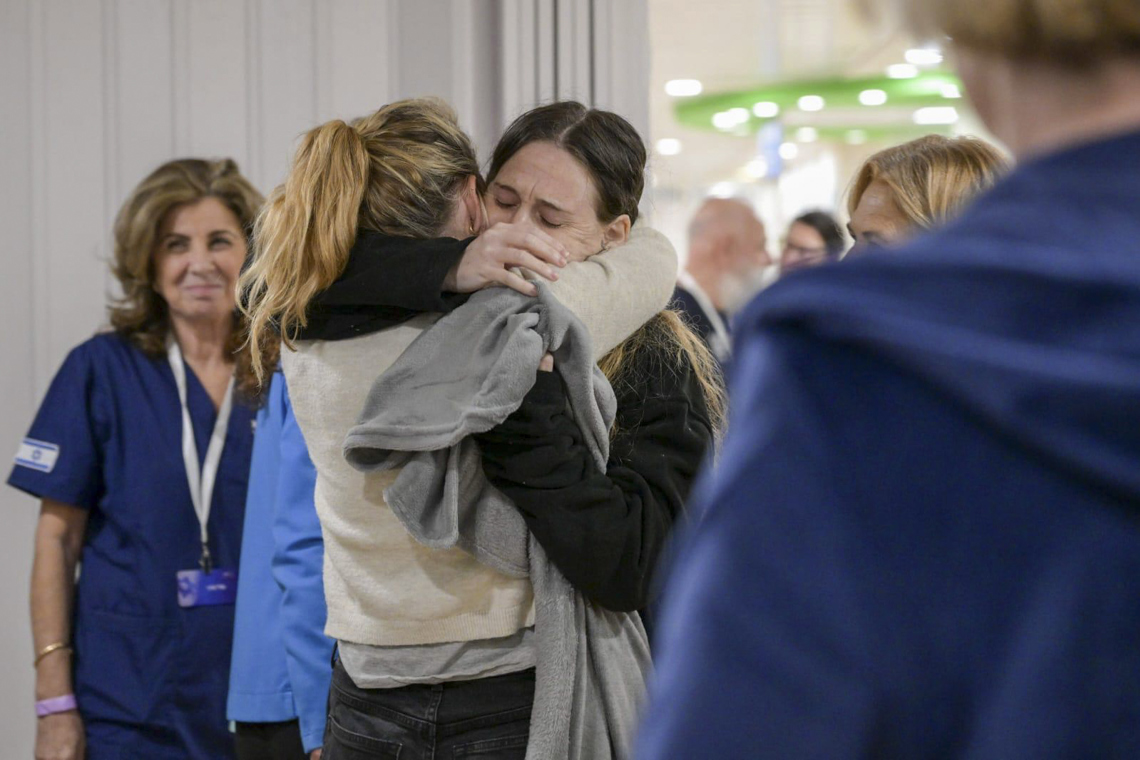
x=382 y=587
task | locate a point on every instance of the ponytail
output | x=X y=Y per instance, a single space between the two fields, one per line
x=303 y=237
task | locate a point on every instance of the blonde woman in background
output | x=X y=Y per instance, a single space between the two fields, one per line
x=923 y=536
x=140 y=454
x=918 y=186
x=436 y=650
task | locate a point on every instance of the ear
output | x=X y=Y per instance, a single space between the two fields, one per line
x=616 y=232
x=473 y=205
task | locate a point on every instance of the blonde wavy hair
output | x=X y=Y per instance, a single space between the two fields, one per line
x=1066 y=31
x=141 y=315
x=397 y=171
x=931 y=178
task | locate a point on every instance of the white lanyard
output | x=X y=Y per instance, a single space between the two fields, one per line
x=200 y=479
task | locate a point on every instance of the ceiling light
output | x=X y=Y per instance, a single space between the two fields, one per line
x=902 y=71
x=789 y=150
x=722 y=190
x=807 y=134
x=936 y=115
x=873 y=97
x=951 y=91
x=740 y=115
x=856 y=137
x=723 y=120
x=924 y=56
x=766 y=110
x=668 y=146
x=811 y=103
x=683 y=88
x=757 y=168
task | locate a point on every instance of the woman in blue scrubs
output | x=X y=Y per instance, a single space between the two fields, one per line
x=140 y=455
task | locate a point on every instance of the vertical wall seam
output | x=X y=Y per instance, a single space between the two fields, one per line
x=313 y=25
x=173 y=82
x=556 y=49
x=593 y=54
x=37 y=65
x=111 y=113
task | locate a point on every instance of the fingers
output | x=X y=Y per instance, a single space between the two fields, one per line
x=534 y=241
x=527 y=260
x=514 y=281
x=544 y=247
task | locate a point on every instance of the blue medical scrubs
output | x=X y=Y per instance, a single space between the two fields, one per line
x=150 y=677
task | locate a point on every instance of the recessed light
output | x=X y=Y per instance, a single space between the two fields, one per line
x=902 y=71
x=757 y=168
x=936 y=115
x=924 y=56
x=722 y=190
x=873 y=97
x=789 y=150
x=668 y=146
x=766 y=110
x=683 y=88
x=723 y=120
x=951 y=91
x=811 y=103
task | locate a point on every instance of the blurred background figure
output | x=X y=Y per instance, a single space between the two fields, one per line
x=140 y=454
x=813 y=239
x=280 y=672
x=728 y=255
x=918 y=186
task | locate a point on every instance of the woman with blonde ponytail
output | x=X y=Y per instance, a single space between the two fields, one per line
x=371 y=237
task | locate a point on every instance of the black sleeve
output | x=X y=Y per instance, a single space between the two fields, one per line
x=388 y=280
x=604 y=531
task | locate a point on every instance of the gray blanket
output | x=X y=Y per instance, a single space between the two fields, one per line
x=465 y=375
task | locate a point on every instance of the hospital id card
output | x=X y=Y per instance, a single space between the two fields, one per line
x=199 y=589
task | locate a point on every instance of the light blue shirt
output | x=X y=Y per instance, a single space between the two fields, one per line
x=281 y=657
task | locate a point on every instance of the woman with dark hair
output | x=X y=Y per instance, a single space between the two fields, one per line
x=579 y=173
x=140 y=454
x=813 y=239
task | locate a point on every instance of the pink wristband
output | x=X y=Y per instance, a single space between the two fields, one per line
x=55 y=705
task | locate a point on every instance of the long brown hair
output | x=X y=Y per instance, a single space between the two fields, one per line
x=141 y=314
x=614 y=155
x=398 y=171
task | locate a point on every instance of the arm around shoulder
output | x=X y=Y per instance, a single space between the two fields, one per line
x=617 y=291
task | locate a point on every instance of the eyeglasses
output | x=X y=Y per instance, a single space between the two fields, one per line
x=801 y=256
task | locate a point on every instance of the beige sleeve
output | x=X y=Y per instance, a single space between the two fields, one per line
x=617 y=291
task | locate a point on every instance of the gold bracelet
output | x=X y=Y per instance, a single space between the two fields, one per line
x=48 y=650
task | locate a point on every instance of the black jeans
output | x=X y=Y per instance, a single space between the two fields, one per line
x=488 y=718
x=269 y=741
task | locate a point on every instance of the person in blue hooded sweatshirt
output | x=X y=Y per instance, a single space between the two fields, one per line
x=923 y=536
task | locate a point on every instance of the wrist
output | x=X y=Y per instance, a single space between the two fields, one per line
x=55 y=705
x=451 y=279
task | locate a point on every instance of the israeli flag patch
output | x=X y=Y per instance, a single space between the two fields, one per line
x=37 y=455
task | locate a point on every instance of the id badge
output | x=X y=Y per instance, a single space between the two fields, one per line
x=199 y=589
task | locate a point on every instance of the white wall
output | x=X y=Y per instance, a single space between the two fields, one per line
x=96 y=93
